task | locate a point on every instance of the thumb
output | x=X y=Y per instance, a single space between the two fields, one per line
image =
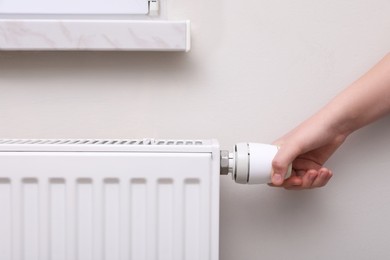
x=280 y=164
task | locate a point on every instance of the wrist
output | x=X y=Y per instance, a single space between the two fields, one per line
x=336 y=122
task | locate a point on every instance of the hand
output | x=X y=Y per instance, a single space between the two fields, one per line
x=307 y=147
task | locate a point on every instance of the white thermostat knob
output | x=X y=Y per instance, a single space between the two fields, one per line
x=253 y=163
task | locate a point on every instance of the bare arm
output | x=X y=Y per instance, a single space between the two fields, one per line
x=310 y=144
x=364 y=101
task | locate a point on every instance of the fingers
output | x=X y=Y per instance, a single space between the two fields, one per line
x=323 y=178
x=307 y=180
x=293 y=181
x=280 y=163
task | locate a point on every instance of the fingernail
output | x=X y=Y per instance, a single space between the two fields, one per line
x=276 y=178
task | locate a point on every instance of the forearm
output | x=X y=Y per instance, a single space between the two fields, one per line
x=366 y=100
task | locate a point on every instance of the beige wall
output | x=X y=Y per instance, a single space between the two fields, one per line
x=257 y=68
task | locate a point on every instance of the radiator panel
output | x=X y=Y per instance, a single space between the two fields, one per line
x=109 y=205
x=5 y=218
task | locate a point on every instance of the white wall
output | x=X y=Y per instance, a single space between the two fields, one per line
x=257 y=69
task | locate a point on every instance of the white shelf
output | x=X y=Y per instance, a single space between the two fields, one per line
x=107 y=25
x=125 y=35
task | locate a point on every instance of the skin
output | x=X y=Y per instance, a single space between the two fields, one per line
x=310 y=145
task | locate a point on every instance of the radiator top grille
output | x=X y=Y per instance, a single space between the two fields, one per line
x=109 y=145
x=124 y=142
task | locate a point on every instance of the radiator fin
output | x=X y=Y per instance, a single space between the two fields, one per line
x=165 y=216
x=99 y=142
x=192 y=219
x=112 y=204
x=138 y=217
x=85 y=219
x=5 y=218
x=30 y=223
x=57 y=219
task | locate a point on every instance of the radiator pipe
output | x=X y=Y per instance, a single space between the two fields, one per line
x=249 y=163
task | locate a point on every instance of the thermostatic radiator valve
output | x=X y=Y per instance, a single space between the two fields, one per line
x=250 y=163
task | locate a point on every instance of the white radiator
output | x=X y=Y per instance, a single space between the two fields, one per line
x=109 y=199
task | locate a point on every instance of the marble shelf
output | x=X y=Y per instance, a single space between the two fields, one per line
x=111 y=25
